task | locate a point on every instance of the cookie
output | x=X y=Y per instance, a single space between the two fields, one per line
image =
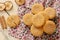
x=35 y=31
x=13 y=21
x=45 y=15
x=38 y=20
x=49 y=27
x=20 y=2
x=16 y=19
x=8 y=5
x=2 y=6
x=10 y=23
x=51 y=12
x=36 y=8
x=27 y=19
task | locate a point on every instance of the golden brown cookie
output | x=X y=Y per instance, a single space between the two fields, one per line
x=36 y=8
x=8 y=5
x=13 y=21
x=38 y=20
x=27 y=19
x=35 y=31
x=51 y=12
x=16 y=19
x=45 y=15
x=20 y=2
x=10 y=22
x=49 y=27
x=2 y=6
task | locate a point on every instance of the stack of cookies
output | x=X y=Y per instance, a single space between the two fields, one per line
x=39 y=20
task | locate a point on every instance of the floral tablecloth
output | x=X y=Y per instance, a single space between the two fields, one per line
x=23 y=33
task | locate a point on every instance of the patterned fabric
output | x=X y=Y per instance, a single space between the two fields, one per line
x=23 y=33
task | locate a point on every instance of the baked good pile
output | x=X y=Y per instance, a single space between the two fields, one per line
x=39 y=20
x=28 y=13
x=36 y=20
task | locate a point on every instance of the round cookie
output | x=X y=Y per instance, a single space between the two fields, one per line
x=45 y=15
x=51 y=12
x=38 y=20
x=49 y=27
x=2 y=6
x=27 y=19
x=36 y=8
x=10 y=23
x=13 y=21
x=8 y=5
x=20 y=2
x=16 y=19
x=35 y=31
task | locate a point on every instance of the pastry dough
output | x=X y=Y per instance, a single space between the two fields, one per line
x=13 y=21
